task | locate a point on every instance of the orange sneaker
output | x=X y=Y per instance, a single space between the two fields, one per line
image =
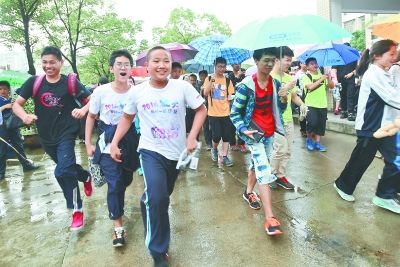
x=272 y=226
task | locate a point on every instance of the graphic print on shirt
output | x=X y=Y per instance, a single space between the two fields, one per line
x=169 y=125
x=219 y=92
x=49 y=100
x=115 y=108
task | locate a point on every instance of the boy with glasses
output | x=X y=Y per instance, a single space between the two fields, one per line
x=219 y=93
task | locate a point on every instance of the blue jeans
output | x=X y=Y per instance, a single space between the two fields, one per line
x=117 y=180
x=67 y=172
x=14 y=138
x=260 y=155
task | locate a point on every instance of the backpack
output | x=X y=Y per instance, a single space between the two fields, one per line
x=227 y=82
x=71 y=85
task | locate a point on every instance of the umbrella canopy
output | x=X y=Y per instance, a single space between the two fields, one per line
x=15 y=78
x=388 y=28
x=195 y=67
x=289 y=30
x=210 y=48
x=179 y=53
x=331 y=54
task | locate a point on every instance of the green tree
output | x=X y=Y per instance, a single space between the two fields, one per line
x=95 y=63
x=184 y=25
x=358 y=40
x=16 y=22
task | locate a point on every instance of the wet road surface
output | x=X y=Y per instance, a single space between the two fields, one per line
x=211 y=224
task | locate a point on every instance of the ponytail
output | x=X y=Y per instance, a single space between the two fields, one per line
x=364 y=63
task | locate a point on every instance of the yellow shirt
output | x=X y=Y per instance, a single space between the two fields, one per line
x=287 y=114
x=218 y=104
x=317 y=97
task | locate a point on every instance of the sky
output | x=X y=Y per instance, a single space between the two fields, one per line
x=155 y=13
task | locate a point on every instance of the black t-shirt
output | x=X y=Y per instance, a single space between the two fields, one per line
x=53 y=107
x=235 y=80
x=345 y=69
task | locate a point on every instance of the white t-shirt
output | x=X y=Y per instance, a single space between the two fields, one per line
x=161 y=115
x=109 y=104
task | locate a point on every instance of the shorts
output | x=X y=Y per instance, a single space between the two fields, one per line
x=260 y=155
x=316 y=120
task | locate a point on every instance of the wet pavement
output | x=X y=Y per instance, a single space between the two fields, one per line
x=211 y=224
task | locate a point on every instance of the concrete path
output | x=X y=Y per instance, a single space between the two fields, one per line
x=211 y=224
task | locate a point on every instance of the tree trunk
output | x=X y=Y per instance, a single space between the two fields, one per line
x=28 y=47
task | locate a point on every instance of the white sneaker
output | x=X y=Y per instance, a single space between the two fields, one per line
x=343 y=195
x=389 y=204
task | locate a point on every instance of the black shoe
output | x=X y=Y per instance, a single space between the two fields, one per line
x=119 y=238
x=2 y=176
x=252 y=199
x=351 y=117
x=343 y=114
x=30 y=167
x=162 y=262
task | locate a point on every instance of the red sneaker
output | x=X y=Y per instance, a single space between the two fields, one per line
x=273 y=226
x=77 y=220
x=87 y=187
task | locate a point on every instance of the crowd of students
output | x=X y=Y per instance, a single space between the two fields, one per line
x=251 y=113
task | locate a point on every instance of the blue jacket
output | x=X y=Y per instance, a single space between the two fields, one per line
x=243 y=107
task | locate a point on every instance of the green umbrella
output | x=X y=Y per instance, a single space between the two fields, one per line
x=15 y=78
x=290 y=30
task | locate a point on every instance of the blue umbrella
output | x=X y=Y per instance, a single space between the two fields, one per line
x=331 y=54
x=195 y=67
x=209 y=48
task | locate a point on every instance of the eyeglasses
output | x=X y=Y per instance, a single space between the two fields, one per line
x=119 y=65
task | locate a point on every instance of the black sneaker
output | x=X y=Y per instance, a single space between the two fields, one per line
x=273 y=185
x=351 y=117
x=284 y=182
x=252 y=199
x=30 y=167
x=162 y=262
x=119 y=238
x=343 y=114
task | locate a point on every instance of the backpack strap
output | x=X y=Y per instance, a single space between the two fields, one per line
x=36 y=84
x=305 y=89
x=209 y=80
x=72 y=80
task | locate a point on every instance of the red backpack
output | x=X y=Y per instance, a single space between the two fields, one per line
x=72 y=82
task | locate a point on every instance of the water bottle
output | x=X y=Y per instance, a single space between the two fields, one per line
x=195 y=157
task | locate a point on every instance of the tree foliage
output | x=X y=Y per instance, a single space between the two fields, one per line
x=358 y=40
x=16 y=25
x=95 y=63
x=184 y=25
x=82 y=29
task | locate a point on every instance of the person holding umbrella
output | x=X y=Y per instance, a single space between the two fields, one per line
x=257 y=113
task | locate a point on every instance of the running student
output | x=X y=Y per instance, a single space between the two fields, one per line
x=57 y=117
x=160 y=103
x=109 y=101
